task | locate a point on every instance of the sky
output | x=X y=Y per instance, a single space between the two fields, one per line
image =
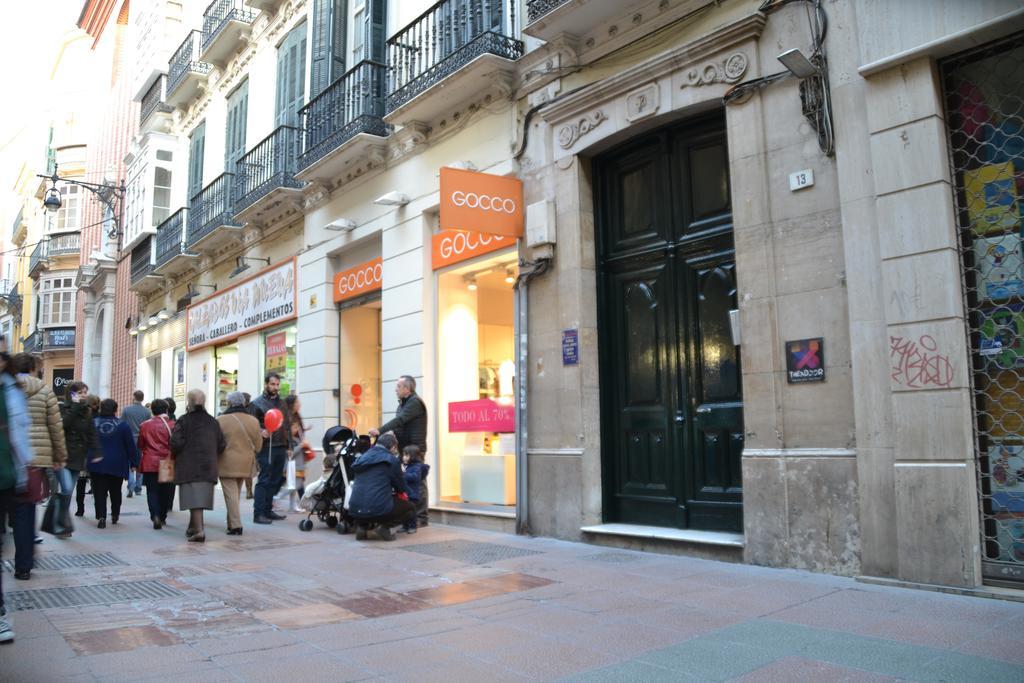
x=30 y=37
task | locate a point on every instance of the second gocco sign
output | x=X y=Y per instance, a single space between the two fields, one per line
x=481 y=202
x=263 y=300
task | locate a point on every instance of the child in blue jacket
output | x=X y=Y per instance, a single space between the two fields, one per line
x=415 y=476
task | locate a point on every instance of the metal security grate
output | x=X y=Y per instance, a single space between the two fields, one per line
x=470 y=552
x=77 y=596
x=984 y=96
x=59 y=562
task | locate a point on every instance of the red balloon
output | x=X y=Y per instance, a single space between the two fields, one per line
x=273 y=419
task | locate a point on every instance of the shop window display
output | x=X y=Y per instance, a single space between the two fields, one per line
x=359 y=346
x=227 y=374
x=476 y=382
x=279 y=356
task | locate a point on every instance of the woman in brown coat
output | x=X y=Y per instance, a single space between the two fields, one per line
x=242 y=433
x=196 y=444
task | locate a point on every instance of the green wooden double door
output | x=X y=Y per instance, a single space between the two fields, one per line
x=671 y=396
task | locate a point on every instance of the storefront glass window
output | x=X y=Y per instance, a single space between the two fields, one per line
x=476 y=378
x=227 y=374
x=359 y=346
x=279 y=356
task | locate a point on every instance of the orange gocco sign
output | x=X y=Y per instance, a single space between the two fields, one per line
x=481 y=202
x=452 y=246
x=366 y=277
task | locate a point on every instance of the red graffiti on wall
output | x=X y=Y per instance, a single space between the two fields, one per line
x=917 y=364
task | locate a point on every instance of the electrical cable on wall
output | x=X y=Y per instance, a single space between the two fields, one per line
x=815 y=93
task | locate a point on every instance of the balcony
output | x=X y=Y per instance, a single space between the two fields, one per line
x=172 y=258
x=186 y=72
x=211 y=218
x=343 y=122
x=226 y=23
x=266 y=174
x=37 y=262
x=453 y=53
x=64 y=244
x=19 y=228
x=268 y=6
x=11 y=297
x=154 y=109
x=33 y=343
x=50 y=339
x=143 y=278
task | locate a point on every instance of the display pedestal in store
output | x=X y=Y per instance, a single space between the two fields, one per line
x=489 y=479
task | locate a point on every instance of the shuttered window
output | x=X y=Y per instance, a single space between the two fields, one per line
x=197 y=147
x=375 y=31
x=291 y=76
x=328 y=48
x=238 y=109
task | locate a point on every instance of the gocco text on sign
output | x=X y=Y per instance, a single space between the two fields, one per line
x=366 y=277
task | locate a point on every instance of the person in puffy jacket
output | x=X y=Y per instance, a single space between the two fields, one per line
x=79 y=436
x=110 y=465
x=416 y=472
x=242 y=434
x=196 y=444
x=378 y=483
x=155 y=445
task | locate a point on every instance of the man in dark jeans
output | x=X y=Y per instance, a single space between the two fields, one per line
x=376 y=489
x=274 y=454
x=409 y=426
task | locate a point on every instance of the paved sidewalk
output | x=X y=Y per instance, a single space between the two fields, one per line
x=449 y=604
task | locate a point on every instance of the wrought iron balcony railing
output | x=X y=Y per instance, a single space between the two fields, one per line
x=219 y=13
x=17 y=222
x=154 y=101
x=211 y=208
x=351 y=105
x=170 y=237
x=38 y=256
x=34 y=342
x=11 y=297
x=445 y=38
x=535 y=9
x=142 y=260
x=68 y=243
x=185 y=61
x=271 y=164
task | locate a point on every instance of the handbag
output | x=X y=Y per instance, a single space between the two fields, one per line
x=38 y=487
x=165 y=470
x=290 y=477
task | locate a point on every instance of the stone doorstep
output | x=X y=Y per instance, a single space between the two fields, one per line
x=472 y=511
x=716 y=538
x=990 y=592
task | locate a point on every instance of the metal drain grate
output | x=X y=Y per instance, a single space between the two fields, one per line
x=77 y=596
x=470 y=552
x=57 y=562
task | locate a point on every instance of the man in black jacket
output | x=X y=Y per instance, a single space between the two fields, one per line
x=410 y=422
x=378 y=478
x=274 y=453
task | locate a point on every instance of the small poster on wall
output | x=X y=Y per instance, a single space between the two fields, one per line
x=805 y=360
x=998 y=261
x=1002 y=336
x=992 y=198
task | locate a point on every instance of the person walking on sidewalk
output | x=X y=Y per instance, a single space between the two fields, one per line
x=155 y=445
x=119 y=457
x=15 y=456
x=196 y=444
x=46 y=436
x=79 y=436
x=274 y=453
x=378 y=489
x=410 y=426
x=297 y=452
x=242 y=434
x=135 y=414
x=252 y=475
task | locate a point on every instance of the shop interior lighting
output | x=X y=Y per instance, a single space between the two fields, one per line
x=510 y=276
x=143 y=326
x=242 y=264
x=471 y=283
x=798 y=64
x=164 y=314
x=133 y=332
x=153 y=321
x=392 y=199
x=341 y=225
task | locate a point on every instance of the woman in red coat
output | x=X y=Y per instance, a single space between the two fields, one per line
x=154 y=444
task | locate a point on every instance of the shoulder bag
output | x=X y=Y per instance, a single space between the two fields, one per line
x=165 y=473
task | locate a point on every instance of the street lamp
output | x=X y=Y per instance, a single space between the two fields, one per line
x=107 y=194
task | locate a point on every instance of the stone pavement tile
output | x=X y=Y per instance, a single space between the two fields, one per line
x=140 y=670
x=305 y=616
x=710 y=660
x=798 y=669
x=1001 y=643
x=968 y=610
x=632 y=672
x=119 y=639
x=348 y=635
x=548 y=659
x=514 y=581
x=851 y=619
x=750 y=602
x=478 y=639
x=380 y=602
x=244 y=644
x=387 y=658
x=953 y=666
x=610 y=602
x=270 y=653
x=726 y=578
x=205 y=674
x=872 y=598
x=446 y=622
x=320 y=666
x=627 y=638
x=689 y=622
x=33 y=624
x=212 y=619
x=553 y=619
x=947 y=633
x=459 y=671
x=95 y=617
x=38 y=659
x=456 y=593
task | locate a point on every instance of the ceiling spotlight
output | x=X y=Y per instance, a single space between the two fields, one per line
x=471 y=284
x=143 y=326
x=341 y=225
x=153 y=321
x=164 y=314
x=510 y=276
x=133 y=332
x=392 y=199
x=798 y=64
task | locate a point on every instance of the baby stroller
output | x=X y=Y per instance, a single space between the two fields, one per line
x=328 y=503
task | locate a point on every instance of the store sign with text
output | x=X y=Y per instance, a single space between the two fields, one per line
x=484 y=415
x=60 y=338
x=364 y=278
x=481 y=202
x=453 y=246
x=62 y=377
x=265 y=299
